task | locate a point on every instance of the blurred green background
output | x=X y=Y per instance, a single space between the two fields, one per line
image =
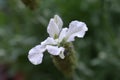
x=21 y=28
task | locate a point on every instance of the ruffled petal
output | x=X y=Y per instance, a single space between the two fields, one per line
x=76 y=28
x=62 y=34
x=58 y=21
x=49 y=41
x=35 y=55
x=52 y=28
x=54 y=50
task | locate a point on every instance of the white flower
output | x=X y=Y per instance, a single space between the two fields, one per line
x=57 y=36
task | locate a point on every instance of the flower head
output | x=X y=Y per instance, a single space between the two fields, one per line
x=57 y=35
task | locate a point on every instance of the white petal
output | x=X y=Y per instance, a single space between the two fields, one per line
x=62 y=34
x=52 y=28
x=54 y=50
x=76 y=28
x=78 y=34
x=58 y=21
x=36 y=54
x=49 y=41
x=61 y=55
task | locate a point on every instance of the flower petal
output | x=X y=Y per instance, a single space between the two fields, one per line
x=36 y=54
x=76 y=28
x=52 y=28
x=62 y=34
x=61 y=55
x=49 y=41
x=58 y=21
x=54 y=50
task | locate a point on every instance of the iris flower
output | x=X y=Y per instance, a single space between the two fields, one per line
x=57 y=36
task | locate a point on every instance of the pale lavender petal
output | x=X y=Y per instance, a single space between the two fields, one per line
x=52 y=28
x=62 y=34
x=61 y=55
x=35 y=55
x=58 y=21
x=76 y=28
x=49 y=41
x=54 y=50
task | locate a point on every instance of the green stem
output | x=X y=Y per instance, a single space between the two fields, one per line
x=68 y=64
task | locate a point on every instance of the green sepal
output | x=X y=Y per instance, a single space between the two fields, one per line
x=68 y=64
